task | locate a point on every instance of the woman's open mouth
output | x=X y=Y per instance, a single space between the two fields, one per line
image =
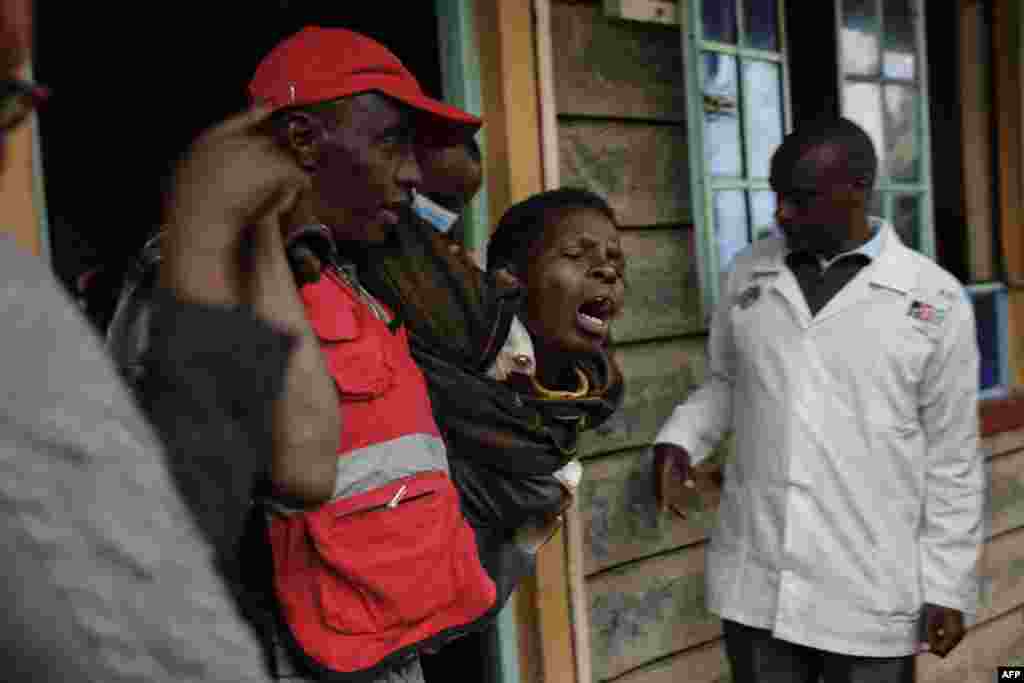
x=594 y=315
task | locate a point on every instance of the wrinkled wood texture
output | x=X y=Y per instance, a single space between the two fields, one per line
x=662 y=289
x=645 y=612
x=646 y=608
x=622 y=522
x=702 y=664
x=616 y=69
x=640 y=168
x=658 y=376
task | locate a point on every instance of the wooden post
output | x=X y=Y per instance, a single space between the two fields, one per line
x=509 y=88
x=976 y=132
x=1006 y=51
x=513 y=171
x=574 y=539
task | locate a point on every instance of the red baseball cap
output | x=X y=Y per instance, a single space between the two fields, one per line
x=320 y=64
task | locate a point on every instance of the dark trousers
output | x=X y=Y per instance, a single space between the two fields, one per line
x=757 y=657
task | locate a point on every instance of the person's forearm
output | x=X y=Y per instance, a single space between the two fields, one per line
x=198 y=273
x=212 y=377
x=306 y=420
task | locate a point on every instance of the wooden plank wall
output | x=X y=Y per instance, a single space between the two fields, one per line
x=621 y=106
x=621 y=118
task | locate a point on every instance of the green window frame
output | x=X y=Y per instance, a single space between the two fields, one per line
x=460 y=76
x=726 y=54
x=883 y=86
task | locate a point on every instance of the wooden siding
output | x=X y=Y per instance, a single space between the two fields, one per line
x=646 y=575
x=662 y=291
x=658 y=375
x=621 y=103
x=645 y=612
x=621 y=113
x=976 y=118
x=639 y=167
x=616 y=69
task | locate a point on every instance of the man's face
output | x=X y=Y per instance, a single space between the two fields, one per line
x=574 y=282
x=451 y=177
x=818 y=202
x=366 y=169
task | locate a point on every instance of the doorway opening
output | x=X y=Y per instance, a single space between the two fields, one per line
x=134 y=83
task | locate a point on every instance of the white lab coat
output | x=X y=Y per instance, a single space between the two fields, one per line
x=855 y=493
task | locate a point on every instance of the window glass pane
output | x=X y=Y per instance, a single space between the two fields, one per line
x=899 y=57
x=858 y=42
x=762 y=213
x=730 y=216
x=719 y=20
x=862 y=104
x=763 y=102
x=905 y=218
x=762 y=25
x=990 y=346
x=722 y=144
x=903 y=149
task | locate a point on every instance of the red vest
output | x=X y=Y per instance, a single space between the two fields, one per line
x=383 y=393
x=389 y=566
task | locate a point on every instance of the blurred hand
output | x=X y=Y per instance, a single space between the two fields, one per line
x=944 y=627
x=234 y=177
x=671 y=476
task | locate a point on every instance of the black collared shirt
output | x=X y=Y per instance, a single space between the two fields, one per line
x=819 y=284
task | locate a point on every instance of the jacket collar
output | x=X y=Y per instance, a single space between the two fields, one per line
x=893 y=268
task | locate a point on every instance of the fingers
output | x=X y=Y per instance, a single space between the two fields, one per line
x=507 y=279
x=242 y=122
x=945 y=629
x=666 y=481
x=270 y=218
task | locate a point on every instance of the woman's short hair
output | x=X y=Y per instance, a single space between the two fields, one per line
x=523 y=224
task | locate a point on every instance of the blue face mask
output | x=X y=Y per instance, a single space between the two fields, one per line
x=441 y=218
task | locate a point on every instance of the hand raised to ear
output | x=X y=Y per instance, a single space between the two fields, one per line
x=233 y=174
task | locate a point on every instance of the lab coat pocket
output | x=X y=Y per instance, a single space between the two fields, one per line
x=898 y=588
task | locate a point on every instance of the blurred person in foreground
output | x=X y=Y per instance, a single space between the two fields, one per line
x=120 y=547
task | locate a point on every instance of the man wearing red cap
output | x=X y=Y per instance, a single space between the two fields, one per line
x=352 y=116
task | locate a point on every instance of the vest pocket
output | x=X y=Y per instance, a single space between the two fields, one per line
x=390 y=557
x=361 y=369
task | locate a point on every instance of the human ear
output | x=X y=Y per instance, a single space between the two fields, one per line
x=303 y=132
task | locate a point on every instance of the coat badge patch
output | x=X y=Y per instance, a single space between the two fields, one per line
x=748 y=296
x=926 y=313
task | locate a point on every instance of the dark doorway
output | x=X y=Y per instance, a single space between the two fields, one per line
x=133 y=83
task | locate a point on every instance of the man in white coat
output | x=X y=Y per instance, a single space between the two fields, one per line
x=846 y=365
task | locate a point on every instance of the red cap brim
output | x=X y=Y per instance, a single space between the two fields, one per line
x=438 y=123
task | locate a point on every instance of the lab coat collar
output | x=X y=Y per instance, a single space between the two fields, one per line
x=893 y=269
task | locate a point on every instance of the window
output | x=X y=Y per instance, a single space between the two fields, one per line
x=736 y=57
x=883 y=87
x=744 y=80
